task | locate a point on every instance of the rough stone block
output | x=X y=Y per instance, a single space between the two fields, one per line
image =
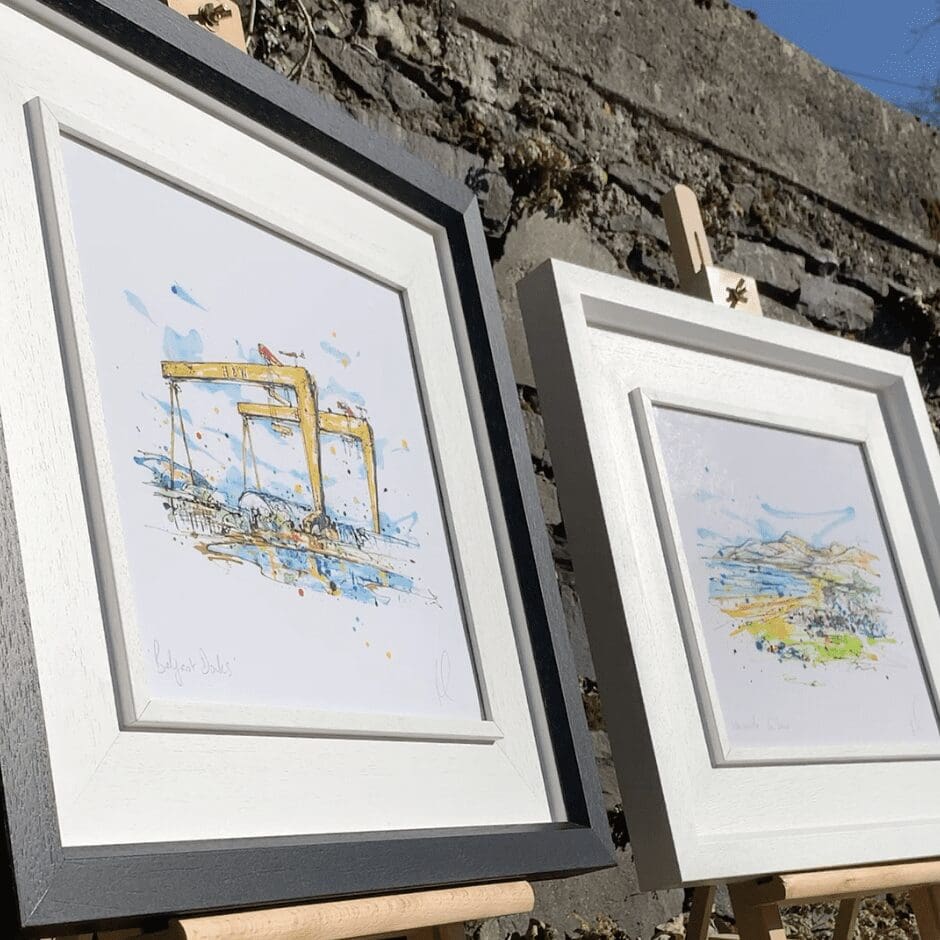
x=835 y=305
x=823 y=260
x=534 y=239
x=777 y=311
x=534 y=431
x=580 y=646
x=495 y=197
x=768 y=266
x=548 y=497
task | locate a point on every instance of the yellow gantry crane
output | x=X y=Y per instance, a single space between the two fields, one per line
x=311 y=421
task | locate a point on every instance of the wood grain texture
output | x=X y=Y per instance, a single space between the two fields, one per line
x=848 y=882
x=925 y=902
x=847 y=919
x=363 y=917
x=755 y=921
x=703 y=901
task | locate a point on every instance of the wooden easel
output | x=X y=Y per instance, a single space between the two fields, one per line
x=756 y=902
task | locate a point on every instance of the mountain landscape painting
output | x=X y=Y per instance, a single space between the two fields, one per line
x=811 y=604
x=804 y=633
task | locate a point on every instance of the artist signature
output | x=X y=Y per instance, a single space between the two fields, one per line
x=442 y=677
x=202 y=665
x=757 y=724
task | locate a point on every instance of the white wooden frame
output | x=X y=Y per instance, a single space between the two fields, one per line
x=105 y=770
x=604 y=349
x=396 y=253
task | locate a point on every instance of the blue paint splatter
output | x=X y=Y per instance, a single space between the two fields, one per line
x=251 y=356
x=842 y=516
x=745 y=579
x=401 y=526
x=183 y=479
x=378 y=448
x=179 y=291
x=709 y=535
x=334 y=389
x=137 y=304
x=341 y=357
x=318 y=572
x=165 y=406
x=182 y=348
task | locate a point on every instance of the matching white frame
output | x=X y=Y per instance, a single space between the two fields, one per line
x=606 y=350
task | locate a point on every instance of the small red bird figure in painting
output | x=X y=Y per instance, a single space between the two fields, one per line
x=268 y=356
x=272 y=360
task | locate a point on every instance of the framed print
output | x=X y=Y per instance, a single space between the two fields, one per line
x=281 y=622
x=752 y=512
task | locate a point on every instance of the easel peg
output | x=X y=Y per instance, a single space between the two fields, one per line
x=698 y=276
x=222 y=18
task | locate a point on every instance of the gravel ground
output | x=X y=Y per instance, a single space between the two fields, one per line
x=884 y=918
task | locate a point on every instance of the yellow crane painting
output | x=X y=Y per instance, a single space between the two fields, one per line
x=290 y=540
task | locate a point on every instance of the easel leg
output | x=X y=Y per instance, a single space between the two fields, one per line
x=755 y=921
x=926 y=905
x=449 y=932
x=845 y=921
x=703 y=900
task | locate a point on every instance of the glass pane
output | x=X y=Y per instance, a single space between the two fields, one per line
x=807 y=634
x=276 y=487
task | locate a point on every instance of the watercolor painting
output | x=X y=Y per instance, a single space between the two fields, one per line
x=814 y=604
x=806 y=632
x=279 y=506
x=288 y=531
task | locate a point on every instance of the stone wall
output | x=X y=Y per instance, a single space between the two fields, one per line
x=569 y=119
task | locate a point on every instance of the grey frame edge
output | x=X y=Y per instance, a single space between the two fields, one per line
x=600 y=595
x=46 y=885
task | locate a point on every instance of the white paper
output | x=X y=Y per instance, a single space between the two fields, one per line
x=806 y=632
x=244 y=592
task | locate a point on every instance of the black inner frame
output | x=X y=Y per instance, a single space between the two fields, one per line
x=46 y=885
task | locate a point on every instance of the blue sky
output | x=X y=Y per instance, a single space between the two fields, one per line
x=874 y=39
